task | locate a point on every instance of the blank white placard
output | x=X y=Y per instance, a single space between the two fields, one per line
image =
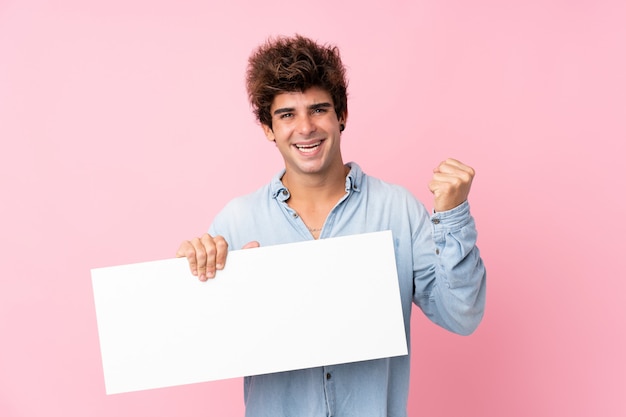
x=272 y=309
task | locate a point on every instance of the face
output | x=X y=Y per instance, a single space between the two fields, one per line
x=306 y=131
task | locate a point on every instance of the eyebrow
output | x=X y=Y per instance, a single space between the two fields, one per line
x=311 y=107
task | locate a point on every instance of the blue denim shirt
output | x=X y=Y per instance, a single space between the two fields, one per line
x=439 y=269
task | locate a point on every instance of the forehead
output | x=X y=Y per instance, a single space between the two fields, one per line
x=306 y=98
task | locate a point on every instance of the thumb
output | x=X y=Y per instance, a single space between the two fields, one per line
x=253 y=244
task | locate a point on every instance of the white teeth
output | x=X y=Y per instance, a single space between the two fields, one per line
x=308 y=148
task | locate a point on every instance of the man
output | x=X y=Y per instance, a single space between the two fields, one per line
x=297 y=89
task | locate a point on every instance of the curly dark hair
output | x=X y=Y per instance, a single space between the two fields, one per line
x=292 y=64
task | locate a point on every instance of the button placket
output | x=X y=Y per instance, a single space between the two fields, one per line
x=329 y=389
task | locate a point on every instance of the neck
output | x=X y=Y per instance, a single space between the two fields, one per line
x=312 y=197
x=306 y=188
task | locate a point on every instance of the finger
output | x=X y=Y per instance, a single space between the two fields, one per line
x=253 y=244
x=221 y=250
x=451 y=165
x=449 y=180
x=449 y=190
x=206 y=256
x=182 y=249
x=199 y=258
x=443 y=189
x=434 y=186
x=453 y=175
x=186 y=250
x=435 y=183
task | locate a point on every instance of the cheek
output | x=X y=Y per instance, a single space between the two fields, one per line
x=282 y=132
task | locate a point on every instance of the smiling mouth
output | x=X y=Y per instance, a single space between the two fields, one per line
x=308 y=148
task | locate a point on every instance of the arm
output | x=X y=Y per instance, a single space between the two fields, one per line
x=451 y=290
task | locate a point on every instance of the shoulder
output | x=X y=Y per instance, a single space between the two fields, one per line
x=377 y=186
x=246 y=202
x=240 y=216
x=370 y=183
x=396 y=197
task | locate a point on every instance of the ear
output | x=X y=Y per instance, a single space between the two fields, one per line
x=342 y=121
x=269 y=133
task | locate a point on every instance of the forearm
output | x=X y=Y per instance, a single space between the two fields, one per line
x=454 y=296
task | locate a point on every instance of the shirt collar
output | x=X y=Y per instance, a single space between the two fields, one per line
x=354 y=180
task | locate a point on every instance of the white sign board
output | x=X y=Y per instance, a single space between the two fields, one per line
x=271 y=309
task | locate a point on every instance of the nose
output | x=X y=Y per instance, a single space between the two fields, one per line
x=306 y=126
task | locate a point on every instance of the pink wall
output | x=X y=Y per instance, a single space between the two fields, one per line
x=125 y=128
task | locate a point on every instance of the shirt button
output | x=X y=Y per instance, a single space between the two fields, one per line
x=285 y=192
x=328 y=376
x=437 y=251
x=295 y=215
x=436 y=221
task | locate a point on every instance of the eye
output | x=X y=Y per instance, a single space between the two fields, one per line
x=320 y=110
x=286 y=115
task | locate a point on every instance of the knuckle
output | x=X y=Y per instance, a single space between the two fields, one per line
x=200 y=256
x=221 y=242
x=190 y=254
x=210 y=251
x=196 y=243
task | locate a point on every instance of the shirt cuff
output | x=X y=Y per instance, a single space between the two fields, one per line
x=451 y=220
